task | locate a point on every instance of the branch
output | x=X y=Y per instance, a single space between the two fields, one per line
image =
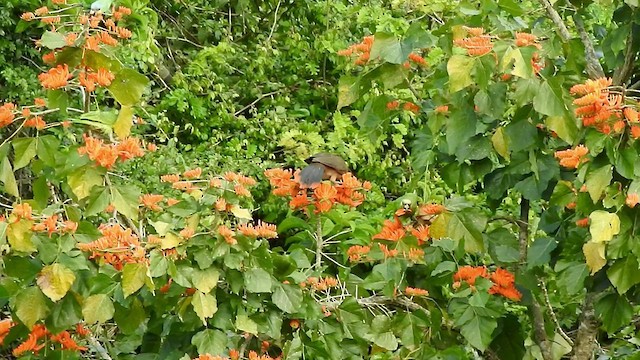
x=622 y=74
x=587 y=330
x=523 y=235
x=594 y=69
x=557 y=20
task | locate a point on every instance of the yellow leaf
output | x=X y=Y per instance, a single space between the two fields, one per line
x=19 y=235
x=170 y=241
x=82 y=180
x=438 y=228
x=55 y=280
x=97 y=309
x=241 y=213
x=594 y=253
x=603 y=226
x=122 y=127
x=501 y=143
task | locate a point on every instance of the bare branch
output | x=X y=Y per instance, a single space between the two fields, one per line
x=557 y=20
x=594 y=69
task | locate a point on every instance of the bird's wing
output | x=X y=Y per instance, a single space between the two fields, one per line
x=330 y=160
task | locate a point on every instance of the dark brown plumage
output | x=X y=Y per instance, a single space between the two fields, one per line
x=323 y=166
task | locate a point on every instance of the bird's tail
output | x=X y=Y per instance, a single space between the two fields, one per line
x=311 y=174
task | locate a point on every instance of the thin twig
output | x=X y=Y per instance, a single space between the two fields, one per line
x=553 y=314
x=256 y=101
x=275 y=21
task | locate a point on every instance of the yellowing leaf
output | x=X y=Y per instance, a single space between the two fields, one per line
x=205 y=280
x=241 y=213
x=133 y=278
x=55 y=280
x=97 y=308
x=501 y=142
x=19 y=235
x=31 y=306
x=594 y=253
x=459 y=68
x=205 y=305
x=438 y=228
x=122 y=127
x=603 y=226
x=82 y=180
x=520 y=68
x=170 y=241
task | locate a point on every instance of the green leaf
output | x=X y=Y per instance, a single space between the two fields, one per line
x=24 y=150
x=459 y=68
x=626 y=162
x=350 y=89
x=130 y=319
x=128 y=86
x=520 y=67
x=461 y=126
x=98 y=200
x=624 y=273
x=243 y=323
x=83 y=179
x=55 y=280
x=122 y=127
x=477 y=329
x=386 y=340
x=501 y=142
x=387 y=47
x=614 y=311
x=287 y=297
x=603 y=226
x=19 y=236
x=257 y=281
x=48 y=149
x=539 y=252
x=53 y=40
x=548 y=101
x=205 y=305
x=133 y=277
x=31 y=306
x=58 y=99
x=7 y=178
x=213 y=342
x=444 y=267
x=468 y=224
x=205 y=280
x=125 y=200
x=598 y=180
x=97 y=309
x=565 y=126
x=571 y=276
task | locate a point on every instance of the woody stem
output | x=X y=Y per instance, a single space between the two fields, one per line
x=319 y=243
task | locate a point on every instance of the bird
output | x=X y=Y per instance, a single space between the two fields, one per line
x=322 y=166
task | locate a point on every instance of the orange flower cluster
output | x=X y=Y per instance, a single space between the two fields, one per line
x=56 y=77
x=35 y=122
x=598 y=108
x=107 y=155
x=442 y=109
x=357 y=252
x=210 y=357
x=476 y=44
x=150 y=201
x=503 y=280
x=363 y=50
x=254 y=356
x=386 y=252
x=22 y=211
x=632 y=200
x=38 y=332
x=102 y=77
x=415 y=254
x=50 y=225
x=391 y=230
x=409 y=291
x=263 y=230
x=409 y=106
x=117 y=246
x=504 y=284
x=583 y=223
x=320 y=284
x=572 y=158
x=347 y=191
x=525 y=39
x=417 y=59
x=393 y=105
x=6 y=114
x=227 y=234
x=5 y=327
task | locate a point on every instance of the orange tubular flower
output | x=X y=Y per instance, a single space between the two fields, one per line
x=421 y=233
x=170 y=178
x=187 y=233
x=431 y=209
x=415 y=254
x=299 y=201
x=325 y=195
x=524 y=39
x=409 y=291
x=117 y=246
x=227 y=234
x=6 y=114
x=56 y=77
x=240 y=190
x=391 y=230
x=129 y=148
x=28 y=16
x=409 y=106
x=470 y=274
x=22 y=211
x=64 y=338
x=104 y=77
x=417 y=59
x=48 y=225
x=151 y=201
x=49 y=58
x=5 y=327
x=357 y=252
x=82 y=330
x=393 y=105
x=503 y=282
x=282 y=181
x=267 y=231
x=632 y=200
x=104 y=155
x=41 y=11
x=362 y=49
x=123 y=33
x=477 y=44
x=387 y=253
x=584 y=222
x=193 y=174
x=35 y=122
x=571 y=158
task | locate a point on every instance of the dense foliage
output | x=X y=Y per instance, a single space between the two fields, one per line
x=151 y=204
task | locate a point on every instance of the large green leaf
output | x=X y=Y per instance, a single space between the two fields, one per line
x=597 y=180
x=205 y=280
x=97 y=309
x=24 y=150
x=614 y=311
x=468 y=224
x=84 y=179
x=134 y=276
x=31 y=306
x=461 y=126
x=387 y=47
x=548 y=101
x=539 y=252
x=53 y=40
x=213 y=342
x=8 y=180
x=205 y=305
x=128 y=86
x=624 y=273
x=459 y=68
x=565 y=126
x=257 y=281
x=244 y=323
x=125 y=200
x=287 y=297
